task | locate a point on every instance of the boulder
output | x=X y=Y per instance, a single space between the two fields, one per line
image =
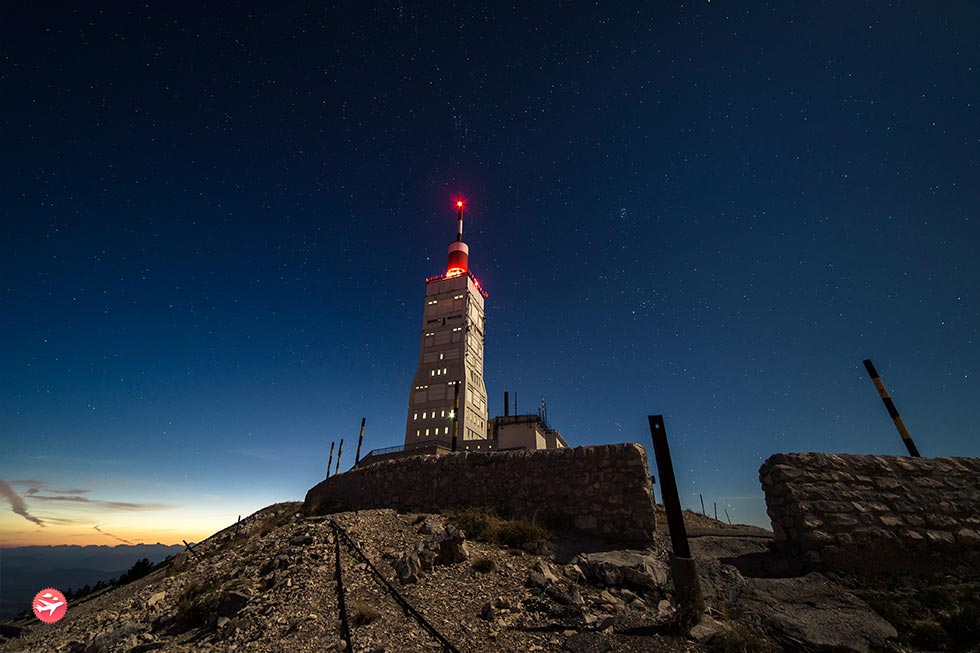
x=449 y=545
x=625 y=567
x=408 y=566
x=810 y=613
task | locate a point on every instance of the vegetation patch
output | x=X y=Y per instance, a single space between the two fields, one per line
x=938 y=617
x=197 y=603
x=486 y=526
x=484 y=565
x=364 y=614
x=737 y=638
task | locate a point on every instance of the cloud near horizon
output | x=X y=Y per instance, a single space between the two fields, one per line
x=114 y=505
x=115 y=537
x=17 y=503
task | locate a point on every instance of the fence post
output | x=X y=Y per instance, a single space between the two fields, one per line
x=683 y=570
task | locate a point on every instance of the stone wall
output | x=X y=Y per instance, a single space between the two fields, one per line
x=602 y=490
x=877 y=514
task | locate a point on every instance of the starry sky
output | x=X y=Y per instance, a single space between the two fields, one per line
x=217 y=224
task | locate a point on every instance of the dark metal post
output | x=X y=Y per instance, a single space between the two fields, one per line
x=683 y=570
x=339 y=450
x=330 y=459
x=455 y=414
x=702 y=505
x=890 y=407
x=506 y=404
x=360 y=439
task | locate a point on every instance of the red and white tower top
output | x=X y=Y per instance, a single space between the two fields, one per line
x=459 y=253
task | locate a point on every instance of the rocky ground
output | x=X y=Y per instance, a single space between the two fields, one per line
x=269 y=585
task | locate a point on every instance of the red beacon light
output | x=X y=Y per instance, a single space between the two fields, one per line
x=459 y=204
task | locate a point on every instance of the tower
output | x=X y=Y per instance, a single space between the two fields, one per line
x=450 y=355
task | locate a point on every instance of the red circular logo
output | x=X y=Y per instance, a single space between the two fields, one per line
x=49 y=605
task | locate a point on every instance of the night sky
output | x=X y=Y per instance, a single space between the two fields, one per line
x=217 y=226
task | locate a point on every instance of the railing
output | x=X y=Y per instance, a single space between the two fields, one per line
x=407 y=447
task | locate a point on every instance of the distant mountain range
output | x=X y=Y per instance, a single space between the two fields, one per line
x=26 y=570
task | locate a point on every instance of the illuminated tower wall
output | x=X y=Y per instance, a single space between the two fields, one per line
x=450 y=355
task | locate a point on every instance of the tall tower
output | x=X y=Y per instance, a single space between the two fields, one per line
x=450 y=354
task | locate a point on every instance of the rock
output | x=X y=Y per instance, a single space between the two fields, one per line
x=574 y=574
x=664 y=606
x=279 y=562
x=605 y=622
x=630 y=567
x=534 y=579
x=232 y=603
x=587 y=643
x=427 y=527
x=155 y=598
x=606 y=597
x=450 y=545
x=408 y=567
x=222 y=622
x=546 y=570
x=506 y=604
x=114 y=638
x=488 y=613
x=811 y=613
x=706 y=629
x=301 y=540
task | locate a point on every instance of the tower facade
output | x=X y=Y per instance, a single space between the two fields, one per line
x=450 y=367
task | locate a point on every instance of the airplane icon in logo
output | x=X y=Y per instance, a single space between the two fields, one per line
x=48 y=606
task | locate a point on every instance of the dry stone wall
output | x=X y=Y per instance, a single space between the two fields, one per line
x=876 y=515
x=602 y=490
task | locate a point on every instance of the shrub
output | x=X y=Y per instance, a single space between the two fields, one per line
x=364 y=614
x=197 y=603
x=486 y=526
x=484 y=565
x=736 y=638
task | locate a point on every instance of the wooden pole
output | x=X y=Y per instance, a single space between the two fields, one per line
x=683 y=570
x=191 y=549
x=890 y=407
x=330 y=459
x=340 y=449
x=360 y=439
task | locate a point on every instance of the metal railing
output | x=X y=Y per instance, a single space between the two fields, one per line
x=407 y=447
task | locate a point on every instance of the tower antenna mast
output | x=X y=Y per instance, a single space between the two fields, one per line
x=459 y=221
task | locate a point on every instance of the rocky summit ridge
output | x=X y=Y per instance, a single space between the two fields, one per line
x=269 y=584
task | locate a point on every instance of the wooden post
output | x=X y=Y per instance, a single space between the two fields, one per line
x=716 y=511
x=890 y=407
x=339 y=450
x=727 y=517
x=191 y=549
x=702 y=505
x=330 y=459
x=683 y=570
x=360 y=439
